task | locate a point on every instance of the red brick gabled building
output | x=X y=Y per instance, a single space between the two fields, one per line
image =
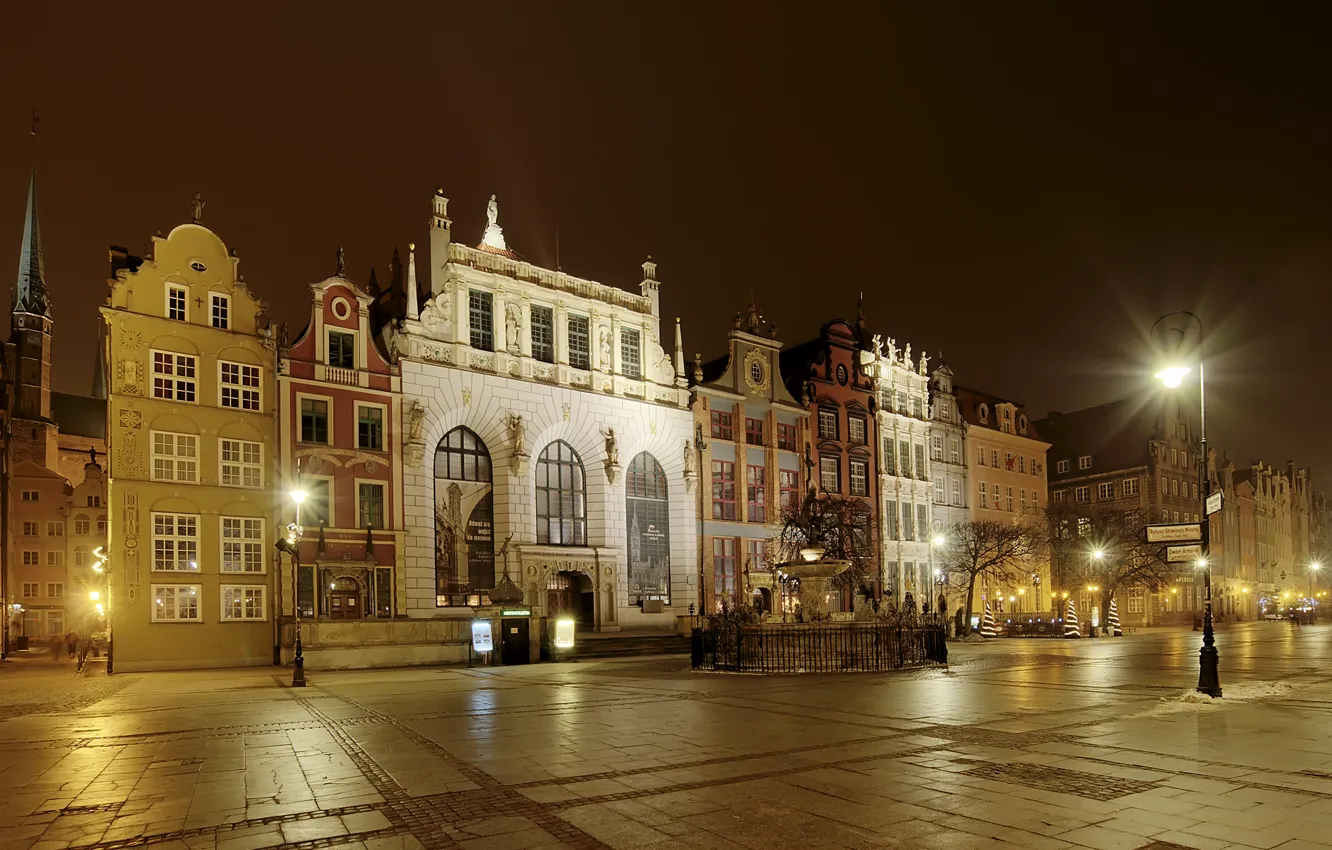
x=340 y=396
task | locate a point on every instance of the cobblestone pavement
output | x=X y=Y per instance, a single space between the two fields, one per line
x=1034 y=744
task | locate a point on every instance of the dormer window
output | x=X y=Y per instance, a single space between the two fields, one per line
x=342 y=349
x=176 y=301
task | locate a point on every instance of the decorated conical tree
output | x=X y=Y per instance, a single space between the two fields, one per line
x=987 y=623
x=1071 y=621
x=1113 y=621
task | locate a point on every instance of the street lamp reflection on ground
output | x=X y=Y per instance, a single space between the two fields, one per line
x=1172 y=375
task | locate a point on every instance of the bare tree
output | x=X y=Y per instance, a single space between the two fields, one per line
x=842 y=527
x=1106 y=548
x=996 y=550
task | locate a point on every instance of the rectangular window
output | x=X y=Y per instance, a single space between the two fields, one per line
x=31 y=529
x=370 y=497
x=55 y=589
x=174 y=603
x=754 y=431
x=30 y=496
x=984 y=495
x=242 y=463
x=314 y=420
x=176 y=542
x=342 y=349
x=855 y=430
x=221 y=311
x=756 y=493
x=481 y=319
x=1082 y=494
x=55 y=558
x=242 y=602
x=31 y=589
x=1105 y=490
x=174 y=376
x=722 y=426
x=631 y=354
x=859 y=478
x=175 y=457
x=1008 y=499
x=1084 y=462
x=580 y=356
x=956 y=493
x=786 y=437
x=370 y=428
x=938 y=490
x=936 y=448
x=889 y=456
x=904 y=458
x=830 y=474
x=789 y=482
x=176 y=302
x=908 y=524
x=723 y=567
x=315 y=507
x=827 y=423
x=890 y=519
x=240 y=386
x=543 y=334
x=954 y=451
x=723 y=490
x=920 y=461
x=55 y=529
x=242 y=545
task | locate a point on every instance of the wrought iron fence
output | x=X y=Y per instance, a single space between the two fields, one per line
x=823 y=648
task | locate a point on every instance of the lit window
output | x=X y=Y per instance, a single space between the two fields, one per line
x=342 y=349
x=242 y=602
x=240 y=386
x=175 y=457
x=370 y=428
x=631 y=355
x=176 y=302
x=176 y=542
x=175 y=603
x=480 y=319
x=174 y=376
x=242 y=545
x=242 y=464
x=221 y=314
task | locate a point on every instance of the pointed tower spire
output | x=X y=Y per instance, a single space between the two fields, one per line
x=30 y=295
x=413 y=305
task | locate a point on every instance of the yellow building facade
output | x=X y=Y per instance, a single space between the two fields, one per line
x=192 y=428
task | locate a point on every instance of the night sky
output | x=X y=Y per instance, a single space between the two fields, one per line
x=1024 y=187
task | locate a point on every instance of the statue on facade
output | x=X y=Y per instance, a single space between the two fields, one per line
x=492 y=213
x=196 y=209
x=606 y=362
x=516 y=428
x=612 y=448
x=513 y=320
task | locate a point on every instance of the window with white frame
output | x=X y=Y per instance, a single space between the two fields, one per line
x=221 y=311
x=631 y=354
x=55 y=529
x=1130 y=486
x=175 y=457
x=1105 y=490
x=177 y=300
x=55 y=558
x=174 y=376
x=1084 y=462
x=342 y=349
x=1082 y=494
x=240 y=386
x=175 y=542
x=242 y=545
x=176 y=603
x=370 y=427
x=242 y=602
x=1061 y=466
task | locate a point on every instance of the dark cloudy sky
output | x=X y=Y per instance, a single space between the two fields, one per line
x=1025 y=187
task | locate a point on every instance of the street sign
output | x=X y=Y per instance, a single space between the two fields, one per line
x=1175 y=532
x=1214 y=503
x=1189 y=553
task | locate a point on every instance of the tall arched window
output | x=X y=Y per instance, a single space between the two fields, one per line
x=561 y=496
x=647 y=512
x=464 y=520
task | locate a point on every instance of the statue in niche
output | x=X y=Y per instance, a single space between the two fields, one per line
x=415 y=421
x=606 y=363
x=513 y=320
x=516 y=428
x=612 y=448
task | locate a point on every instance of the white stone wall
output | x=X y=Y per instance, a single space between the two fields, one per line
x=482 y=402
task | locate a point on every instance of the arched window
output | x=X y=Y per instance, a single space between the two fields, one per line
x=647 y=513
x=464 y=519
x=561 y=496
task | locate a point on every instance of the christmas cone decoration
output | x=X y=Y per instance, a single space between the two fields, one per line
x=987 y=623
x=1113 y=622
x=1071 y=621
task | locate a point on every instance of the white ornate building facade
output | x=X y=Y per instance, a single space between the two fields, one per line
x=546 y=439
x=906 y=522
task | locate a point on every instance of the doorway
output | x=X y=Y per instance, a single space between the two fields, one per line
x=344 y=600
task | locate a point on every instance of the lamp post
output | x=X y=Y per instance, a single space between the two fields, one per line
x=1209 y=675
x=291 y=544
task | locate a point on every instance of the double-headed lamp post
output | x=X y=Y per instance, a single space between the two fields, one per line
x=291 y=544
x=1209 y=675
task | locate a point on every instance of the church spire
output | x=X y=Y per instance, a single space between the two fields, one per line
x=30 y=295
